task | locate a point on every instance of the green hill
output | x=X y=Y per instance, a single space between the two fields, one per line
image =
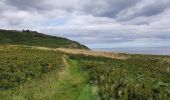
x=33 y=38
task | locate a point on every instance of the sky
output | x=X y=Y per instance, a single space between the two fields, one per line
x=95 y=23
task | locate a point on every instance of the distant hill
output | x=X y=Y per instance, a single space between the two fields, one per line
x=33 y=38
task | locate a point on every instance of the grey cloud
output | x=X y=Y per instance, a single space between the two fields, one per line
x=3 y=7
x=26 y=4
x=110 y=34
x=100 y=8
x=44 y=5
x=107 y=8
x=144 y=9
x=153 y=9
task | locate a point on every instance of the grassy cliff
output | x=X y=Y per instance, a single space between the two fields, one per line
x=33 y=38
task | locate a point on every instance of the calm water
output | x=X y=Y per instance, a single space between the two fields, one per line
x=152 y=51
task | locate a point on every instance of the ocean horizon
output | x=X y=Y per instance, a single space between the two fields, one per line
x=138 y=50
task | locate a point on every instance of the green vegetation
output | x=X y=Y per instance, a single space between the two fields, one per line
x=73 y=84
x=27 y=73
x=32 y=38
x=18 y=65
x=137 y=78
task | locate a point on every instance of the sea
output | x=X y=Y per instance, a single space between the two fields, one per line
x=138 y=50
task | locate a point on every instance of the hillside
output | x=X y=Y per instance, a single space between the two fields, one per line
x=33 y=38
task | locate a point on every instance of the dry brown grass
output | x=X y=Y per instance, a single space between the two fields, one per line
x=166 y=59
x=92 y=53
x=79 y=52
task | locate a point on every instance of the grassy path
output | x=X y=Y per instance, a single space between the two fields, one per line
x=72 y=84
x=68 y=84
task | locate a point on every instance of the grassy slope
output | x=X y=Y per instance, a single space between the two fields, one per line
x=36 y=39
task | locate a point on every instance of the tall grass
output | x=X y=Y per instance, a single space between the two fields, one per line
x=137 y=78
x=18 y=65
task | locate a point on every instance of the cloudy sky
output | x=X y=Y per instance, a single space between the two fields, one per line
x=95 y=23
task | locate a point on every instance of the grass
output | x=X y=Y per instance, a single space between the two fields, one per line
x=38 y=89
x=52 y=75
x=18 y=65
x=74 y=85
x=87 y=93
x=28 y=73
x=63 y=82
x=93 y=53
x=136 y=78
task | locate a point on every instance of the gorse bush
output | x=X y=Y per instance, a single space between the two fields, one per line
x=137 y=78
x=18 y=65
